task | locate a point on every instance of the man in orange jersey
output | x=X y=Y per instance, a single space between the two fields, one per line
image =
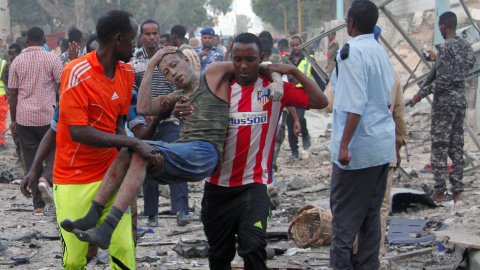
x=94 y=97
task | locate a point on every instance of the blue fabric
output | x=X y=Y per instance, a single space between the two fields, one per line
x=186 y=162
x=363 y=86
x=167 y=132
x=54 y=122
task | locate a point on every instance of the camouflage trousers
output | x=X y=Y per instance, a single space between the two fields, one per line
x=447 y=140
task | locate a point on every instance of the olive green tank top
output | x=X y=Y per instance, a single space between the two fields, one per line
x=209 y=121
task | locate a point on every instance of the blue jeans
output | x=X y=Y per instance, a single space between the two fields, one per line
x=167 y=132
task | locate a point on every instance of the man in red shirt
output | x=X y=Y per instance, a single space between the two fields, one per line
x=235 y=200
x=94 y=98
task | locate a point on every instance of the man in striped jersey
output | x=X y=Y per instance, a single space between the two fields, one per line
x=235 y=198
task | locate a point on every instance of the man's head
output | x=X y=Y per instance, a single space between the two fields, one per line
x=92 y=43
x=193 y=42
x=207 y=37
x=13 y=51
x=59 y=41
x=216 y=40
x=177 y=35
x=75 y=35
x=116 y=30
x=176 y=69
x=361 y=18
x=9 y=39
x=22 y=42
x=64 y=45
x=246 y=57
x=266 y=35
x=304 y=36
x=165 y=40
x=283 y=45
x=447 y=23
x=331 y=36
x=266 y=49
x=295 y=43
x=150 y=35
x=35 y=36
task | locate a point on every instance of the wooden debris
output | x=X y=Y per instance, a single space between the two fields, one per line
x=461 y=238
x=157 y=243
x=272 y=266
x=410 y=254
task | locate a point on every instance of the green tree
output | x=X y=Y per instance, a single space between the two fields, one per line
x=84 y=13
x=314 y=12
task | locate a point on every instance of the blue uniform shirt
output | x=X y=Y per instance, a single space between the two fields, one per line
x=363 y=86
x=214 y=55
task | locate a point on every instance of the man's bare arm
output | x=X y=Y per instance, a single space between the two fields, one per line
x=161 y=105
x=317 y=100
x=351 y=125
x=13 y=99
x=96 y=138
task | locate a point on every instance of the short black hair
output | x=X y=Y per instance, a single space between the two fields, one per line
x=282 y=43
x=36 y=34
x=74 y=35
x=248 y=38
x=266 y=46
x=166 y=36
x=297 y=37
x=147 y=22
x=16 y=47
x=449 y=19
x=64 y=43
x=179 y=31
x=266 y=35
x=333 y=33
x=364 y=15
x=90 y=40
x=59 y=40
x=21 y=41
x=112 y=23
x=216 y=35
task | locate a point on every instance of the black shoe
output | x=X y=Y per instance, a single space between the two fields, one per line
x=182 y=219
x=306 y=142
x=294 y=155
x=152 y=221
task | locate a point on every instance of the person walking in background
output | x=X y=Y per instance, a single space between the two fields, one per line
x=32 y=78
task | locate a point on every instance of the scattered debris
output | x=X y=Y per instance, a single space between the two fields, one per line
x=400 y=229
x=403 y=198
x=311 y=227
x=462 y=238
x=192 y=248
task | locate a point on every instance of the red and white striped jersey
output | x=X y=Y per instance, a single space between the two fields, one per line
x=248 y=150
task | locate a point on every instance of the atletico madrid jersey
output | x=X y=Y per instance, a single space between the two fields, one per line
x=248 y=150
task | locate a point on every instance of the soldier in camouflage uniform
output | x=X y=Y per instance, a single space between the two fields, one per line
x=454 y=62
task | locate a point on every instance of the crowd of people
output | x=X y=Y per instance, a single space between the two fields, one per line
x=198 y=110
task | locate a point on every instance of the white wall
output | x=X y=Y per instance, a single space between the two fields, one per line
x=402 y=7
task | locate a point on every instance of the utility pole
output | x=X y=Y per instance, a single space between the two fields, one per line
x=441 y=6
x=299 y=17
x=340 y=12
